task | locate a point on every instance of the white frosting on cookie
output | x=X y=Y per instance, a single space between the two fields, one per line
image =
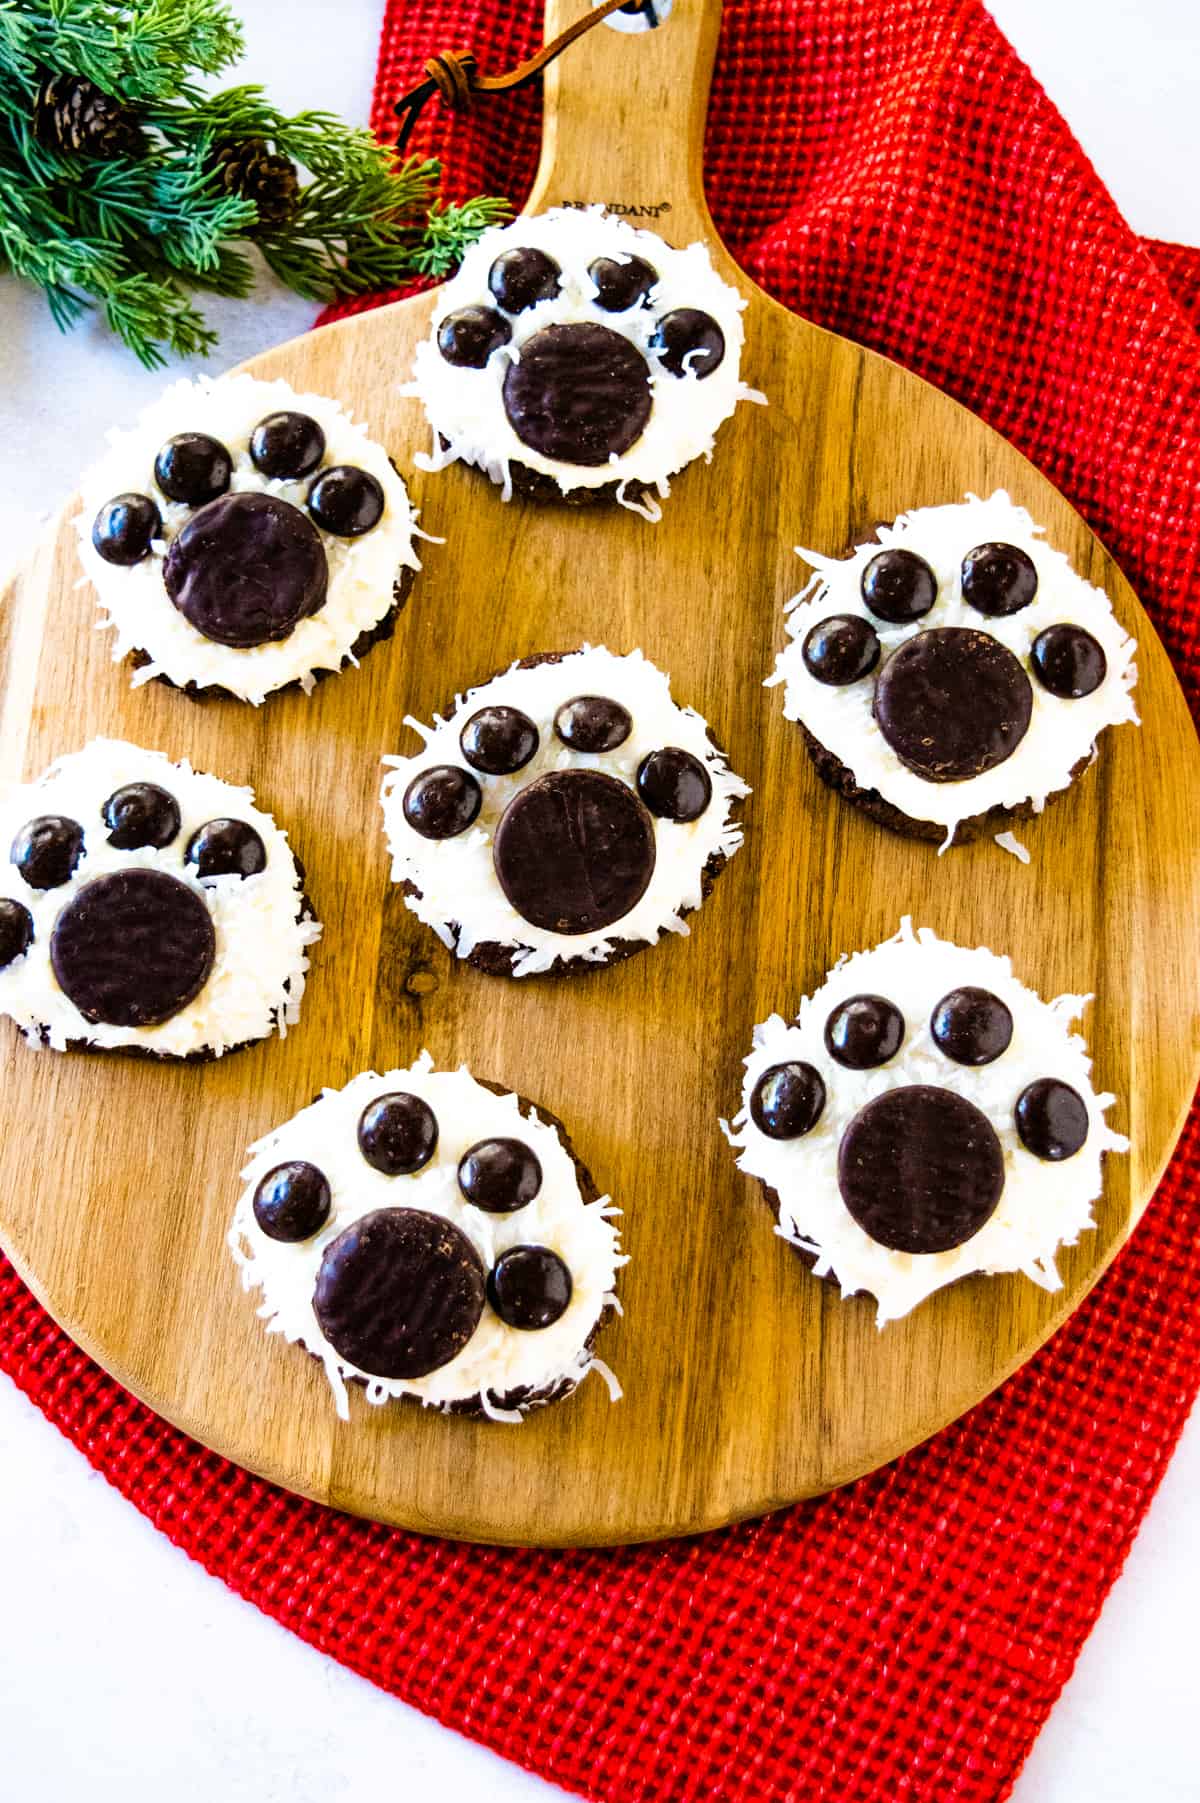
x=1061 y=732
x=460 y=897
x=465 y=407
x=497 y=1358
x=362 y=571
x=257 y=979
x=1044 y=1205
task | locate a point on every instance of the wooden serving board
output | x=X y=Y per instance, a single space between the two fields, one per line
x=748 y=1383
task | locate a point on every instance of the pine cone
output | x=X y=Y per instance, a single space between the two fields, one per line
x=251 y=169
x=70 y=113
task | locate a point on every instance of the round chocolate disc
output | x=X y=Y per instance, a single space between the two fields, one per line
x=293 y=1201
x=140 y=814
x=689 y=343
x=246 y=569
x=579 y=394
x=972 y=1026
x=898 y=586
x=920 y=1169
x=864 y=1032
x=841 y=649
x=346 y=501
x=397 y=1133
x=193 y=468
x=1068 y=661
x=16 y=930
x=468 y=337
x=674 y=784
x=952 y=703
x=998 y=580
x=1052 y=1119
x=47 y=849
x=529 y=1287
x=498 y=740
x=788 y=1100
x=574 y=851
x=519 y=278
x=133 y=948
x=124 y=527
x=226 y=848
x=287 y=445
x=499 y=1175
x=441 y=802
x=593 y=723
x=621 y=285
x=399 y=1293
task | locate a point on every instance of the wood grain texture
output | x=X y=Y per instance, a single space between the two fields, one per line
x=748 y=1383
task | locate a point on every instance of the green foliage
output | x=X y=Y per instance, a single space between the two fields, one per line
x=137 y=236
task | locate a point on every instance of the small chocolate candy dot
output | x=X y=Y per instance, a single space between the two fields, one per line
x=529 y=1287
x=1068 y=661
x=346 y=501
x=293 y=1201
x=622 y=284
x=468 y=337
x=952 y=703
x=841 y=649
x=498 y=740
x=1052 y=1119
x=519 y=278
x=499 y=1175
x=140 y=814
x=788 y=1100
x=689 y=342
x=287 y=445
x=399 y=1292
x=397 y=1133
x=998 y=580
x=674 y=784
x=593 y=723
x=225 y=848
x=246 y=569
x=46 y=850
x=133 y=947
x=898 y=586
x=193 y=468
x=580 y=393
x=972 y=1026
x=574 y=851
x=920 y=1169
x=16 y=930
x=124 y=527
x=864 y=1031
x=441 y=802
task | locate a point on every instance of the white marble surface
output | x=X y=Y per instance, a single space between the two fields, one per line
x=127 y=1674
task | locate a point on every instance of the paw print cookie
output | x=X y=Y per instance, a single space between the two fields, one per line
x=925 y=1117
x=562 y=815
x=576 y=358
x=952 y=676
x=434 y=1237
x=243 y=538
x=146 y=907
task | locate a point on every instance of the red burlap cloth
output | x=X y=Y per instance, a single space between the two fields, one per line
x=889 y=168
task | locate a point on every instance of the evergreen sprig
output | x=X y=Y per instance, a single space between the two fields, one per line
x=136 y=234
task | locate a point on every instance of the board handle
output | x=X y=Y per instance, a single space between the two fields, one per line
x=624 y=117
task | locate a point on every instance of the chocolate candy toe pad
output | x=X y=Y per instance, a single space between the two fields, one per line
x=394 y=1284
x=961 y=717
x=563 y=864
x=599 y=358
x=138 y=947
x=258 y=587
x=918 y=1170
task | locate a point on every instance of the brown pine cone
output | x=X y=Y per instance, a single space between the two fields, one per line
x=71 y=114
x=249 y=168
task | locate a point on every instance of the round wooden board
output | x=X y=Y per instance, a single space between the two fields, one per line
x=748 y=1383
